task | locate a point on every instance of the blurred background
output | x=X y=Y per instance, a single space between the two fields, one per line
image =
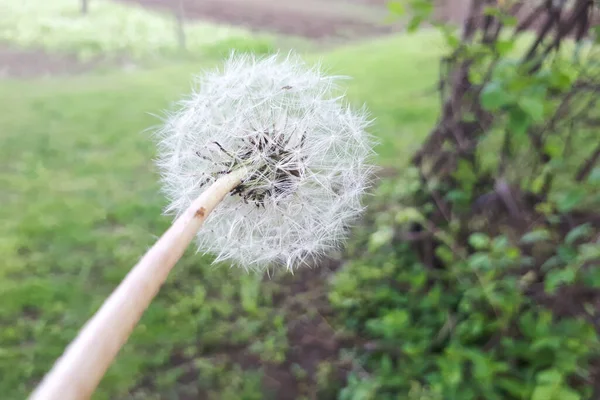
x=474 y=274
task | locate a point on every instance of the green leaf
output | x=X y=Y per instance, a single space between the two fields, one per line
x=509 y=20
x=469 y=117
x=250 y=295
x=519 y=121
x=553 y=388
x=408 y=214
x=566 y=253
x=545 y=392
x=492 y=11
x=594 y=177
x=465 y=172
x=479 y=241
x=502 y=15
x=592 y=279
x=567 y=201
x=494 y=96
x=556 y=278
x=566 y=393
x=500 y=243
x=589 y=252
x=396 y=7
x=503 y=47
x=532 y=106
x=422 y=7
x=539 y=235
x=547 y=342
x=480 y=261
x=392 y=325
x=560 y=79
x=482 y=366
x=414 y=24
x=513 y=253
x=380 y=238
x=538 y=183
x=552 y=262
x=452 y=39
x=445 y=254
x=451 y=370
x=549 y=376
x=577 y=233
x=515 y=387
x=554 y=146
x=386 y=364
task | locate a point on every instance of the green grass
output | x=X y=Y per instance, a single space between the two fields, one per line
x=81 y=202
x=110 y=29
x=396 y=78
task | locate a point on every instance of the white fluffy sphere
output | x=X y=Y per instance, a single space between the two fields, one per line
x=307 y=152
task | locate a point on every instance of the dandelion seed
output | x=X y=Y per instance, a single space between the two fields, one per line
x=306 y=151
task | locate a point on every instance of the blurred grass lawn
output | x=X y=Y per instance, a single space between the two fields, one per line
x=110 y=29
x=81 y=203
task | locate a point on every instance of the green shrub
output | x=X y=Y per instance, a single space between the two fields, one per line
x=466 y=330
x=475 y=277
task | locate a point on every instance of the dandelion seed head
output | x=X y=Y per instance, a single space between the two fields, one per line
x=307 y=152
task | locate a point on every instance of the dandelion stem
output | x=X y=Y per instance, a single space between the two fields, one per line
x=78 y=371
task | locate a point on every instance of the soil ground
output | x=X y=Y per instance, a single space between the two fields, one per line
x=25 y=63
x=314 y=19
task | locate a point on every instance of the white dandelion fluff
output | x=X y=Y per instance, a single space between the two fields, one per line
x=305 y=150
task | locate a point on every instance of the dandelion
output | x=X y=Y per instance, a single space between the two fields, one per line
x=281 y=160
x=305 y=150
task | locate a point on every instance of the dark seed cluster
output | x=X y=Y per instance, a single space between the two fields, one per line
x=276 y=174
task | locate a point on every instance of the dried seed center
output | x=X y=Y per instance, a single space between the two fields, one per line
x=280 y=166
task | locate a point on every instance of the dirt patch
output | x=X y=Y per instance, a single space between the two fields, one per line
x=311 y=19
x=313 y=342
x=30 y=63
x=314 y=19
